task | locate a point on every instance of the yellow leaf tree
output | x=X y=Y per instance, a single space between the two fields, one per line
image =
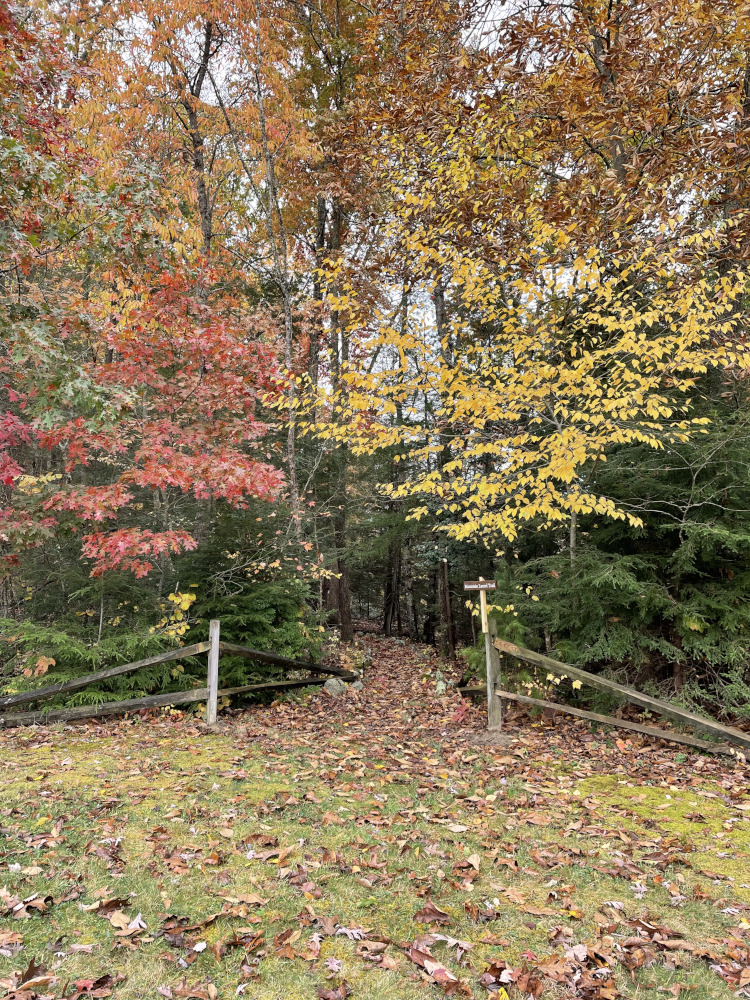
x=586 y=302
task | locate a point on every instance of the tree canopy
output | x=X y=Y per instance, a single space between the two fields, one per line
x=312 y=310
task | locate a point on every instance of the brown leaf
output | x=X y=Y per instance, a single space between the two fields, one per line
x=10 y=943
x=340 y=992
x=200 y=991
x=329 y=818
x=248 y=898
x=118 y=919
x=438 y=972
x=371 y=950
x=101 y=987
x=326 y=925
x=432 y=914
x=434 y=969
x=104 y=906
x=389 y=962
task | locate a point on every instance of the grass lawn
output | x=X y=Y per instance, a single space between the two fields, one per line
x=365 y=847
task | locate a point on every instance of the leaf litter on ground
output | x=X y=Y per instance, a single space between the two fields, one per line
x=354 y=837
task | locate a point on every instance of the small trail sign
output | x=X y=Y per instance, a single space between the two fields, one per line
x=482 y=586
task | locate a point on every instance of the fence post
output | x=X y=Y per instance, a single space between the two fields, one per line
x=494 y=703
x=213 y=672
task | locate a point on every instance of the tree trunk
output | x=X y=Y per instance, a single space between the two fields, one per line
x=432 y=602
x=291 y=448
x=329 y=597
x=346 y=629
x=678 y=676
x=282 y=269
x=391 y=596
x=441 y=322
x=447 y=635
x=313 y=359
x=411 y=608
x=573 y=535
x=191 y=104
x=339 y=353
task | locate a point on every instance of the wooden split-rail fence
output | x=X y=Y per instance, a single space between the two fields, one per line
x=730 y=736
x=314 y=674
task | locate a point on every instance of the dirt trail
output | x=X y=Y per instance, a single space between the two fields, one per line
x=409 y=700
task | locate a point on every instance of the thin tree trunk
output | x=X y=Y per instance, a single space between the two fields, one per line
x=447 y=633
x=191 y=102
x=329 y=596
x=573 y=534
x=388 y=596
x=313 y=359
x=346 y=629
x=411 y=608
x=281 y=271
x=101 y=612
x=446 y=349
x=441 y=322
x=678 y=676
x=399 y=624
x=291 y=447
x=432 y=603
x=390 y=603
x=339 y=349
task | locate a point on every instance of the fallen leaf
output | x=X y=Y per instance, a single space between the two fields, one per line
x=432 y=914
x=340 y=992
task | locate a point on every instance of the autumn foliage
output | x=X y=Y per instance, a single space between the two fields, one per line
x=140 y=367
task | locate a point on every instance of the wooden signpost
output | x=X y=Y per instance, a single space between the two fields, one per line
x=212 y=702
x=492 y=659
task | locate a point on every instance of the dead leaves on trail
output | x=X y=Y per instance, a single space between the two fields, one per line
x=200 y=991
x=22 y=909
x=588 y=970
x=85 y=988
x=11 y=942
x=421 y=955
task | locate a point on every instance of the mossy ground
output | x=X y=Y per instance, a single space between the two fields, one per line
x=383 y=815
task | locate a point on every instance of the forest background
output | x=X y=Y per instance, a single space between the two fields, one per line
x=311 y=311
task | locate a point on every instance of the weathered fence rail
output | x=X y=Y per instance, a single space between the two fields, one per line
x=317 y=674
x=50 y=690
x=609 y=720
x=681 y=715
x=729 y=734
x=283 y=661
x=102 y=709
